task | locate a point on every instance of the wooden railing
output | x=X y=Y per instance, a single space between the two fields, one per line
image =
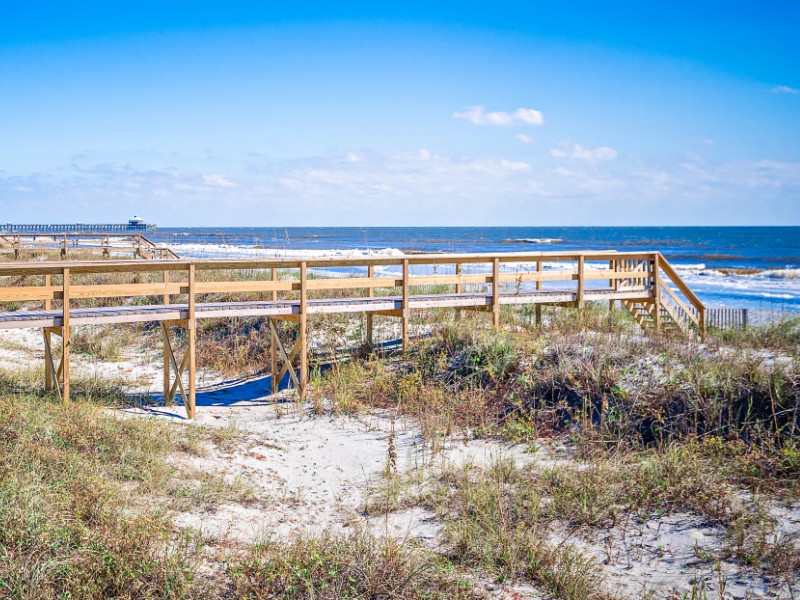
x=105 y=245
x=177 y=293
x=681 y=302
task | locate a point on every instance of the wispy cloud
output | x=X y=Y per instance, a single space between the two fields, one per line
x=785 y=89
x=216 y=180
x=521 y=117
x=525 y=139
x=416 y=186
x=569 y=150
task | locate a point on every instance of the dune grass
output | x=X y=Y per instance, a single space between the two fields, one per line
x=654 y=424
x=69 y=525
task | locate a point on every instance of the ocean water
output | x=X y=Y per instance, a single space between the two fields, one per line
x=770 y=256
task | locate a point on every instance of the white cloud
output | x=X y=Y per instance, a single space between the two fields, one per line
x=215 y=180
x=515 y=166
x=353 y=157
x=569 y=150
x=525 y=139
x=521 y=117
x=785 y=89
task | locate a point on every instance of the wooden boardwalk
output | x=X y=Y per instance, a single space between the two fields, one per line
x=57 y=296
x=133 y=245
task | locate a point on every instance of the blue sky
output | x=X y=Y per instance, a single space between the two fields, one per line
x=537 y=113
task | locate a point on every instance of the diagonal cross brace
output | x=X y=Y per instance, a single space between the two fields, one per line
x=179 y=370
x=287 y=358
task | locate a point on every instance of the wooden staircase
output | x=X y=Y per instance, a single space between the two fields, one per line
x=670 y=307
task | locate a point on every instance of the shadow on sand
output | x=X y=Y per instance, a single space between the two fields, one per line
x=243 y=393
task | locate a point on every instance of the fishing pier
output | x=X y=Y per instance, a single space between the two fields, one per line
x=58 y=296
x=134 y=224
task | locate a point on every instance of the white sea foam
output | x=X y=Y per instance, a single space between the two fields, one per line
x=238 y=251
x=533 y=241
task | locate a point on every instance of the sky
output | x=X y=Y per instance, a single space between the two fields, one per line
x=414 y=113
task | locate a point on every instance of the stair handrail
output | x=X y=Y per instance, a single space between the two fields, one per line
x=158 y=250
x=676 y=280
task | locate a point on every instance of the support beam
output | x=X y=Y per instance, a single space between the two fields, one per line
x=459 y=268
x=166 y=362
x=581 y=276
x=192 y=338
x=303 y=334
x=612 y=283
x=406 y=309
x=65 y=335
x=656 y=293
x=370 y=294
x=273 y=352
x=539 y=283
x=496 y=292
x=49 y=371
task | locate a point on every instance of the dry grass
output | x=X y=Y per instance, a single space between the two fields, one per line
x=68 y=524
x=657 y=425
x=354 y=566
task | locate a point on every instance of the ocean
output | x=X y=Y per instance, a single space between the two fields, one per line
x=749 y=267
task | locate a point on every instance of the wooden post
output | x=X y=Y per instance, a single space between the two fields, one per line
x=65 y=336
x=702 y=319
x=370 y=294
x=165 y=329
x=656 y=292
x=406 y=309
x=459 y=288
x=191 y=329
x=496 y=292
x=303 y=341
x=539 y=289
x=273 y=351
x=581 y=273
x=612 y=266
x=49 y=376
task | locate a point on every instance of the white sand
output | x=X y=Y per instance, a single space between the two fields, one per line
x=315 y=473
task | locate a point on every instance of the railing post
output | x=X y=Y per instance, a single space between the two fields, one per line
x=702 y=319
x=406 y=309
x=303 y=330
x=539 y=289
x=496 y=292
x=49 y=376
x=65 y=334
x=370 y=294
x=165 y=330
x=581 y=273
x=612 y=283
x=273 y=350
x=655 y=265
x=459 y=269
x=191 y=328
